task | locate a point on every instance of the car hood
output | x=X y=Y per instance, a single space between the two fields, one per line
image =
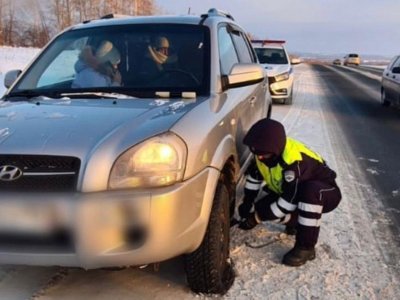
x=273 y=70
x=77 y=127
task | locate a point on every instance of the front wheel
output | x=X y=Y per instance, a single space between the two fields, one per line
x=208 y=269
x=384 y=100
x=289 y=100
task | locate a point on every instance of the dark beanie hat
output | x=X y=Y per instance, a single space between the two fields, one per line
x=266 y=136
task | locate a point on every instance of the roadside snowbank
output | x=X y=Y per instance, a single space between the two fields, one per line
x=14 y=58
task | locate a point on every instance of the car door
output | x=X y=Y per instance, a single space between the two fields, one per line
x=395 y=81
x=390 y=80
x=228 y=57
x=258 y=91
x=242 y=99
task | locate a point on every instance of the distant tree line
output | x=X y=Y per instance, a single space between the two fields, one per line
x=32 y=23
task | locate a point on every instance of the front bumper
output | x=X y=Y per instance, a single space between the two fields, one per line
x=280 y=89
x=124 y=228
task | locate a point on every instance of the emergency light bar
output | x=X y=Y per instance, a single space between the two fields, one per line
x=263 y=42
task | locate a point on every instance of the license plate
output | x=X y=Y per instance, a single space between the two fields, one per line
x=26 y=218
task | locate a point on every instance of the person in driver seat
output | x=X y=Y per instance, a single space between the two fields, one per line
x=158 y=58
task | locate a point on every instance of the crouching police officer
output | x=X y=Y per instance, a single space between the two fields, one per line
x=299 y=185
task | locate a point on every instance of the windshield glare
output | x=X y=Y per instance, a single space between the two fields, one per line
x=160 y=57
x=271 y=56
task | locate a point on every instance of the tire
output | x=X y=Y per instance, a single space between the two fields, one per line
x=208 y=269
x=269 y=113
x=289 y=100
x=384 y=101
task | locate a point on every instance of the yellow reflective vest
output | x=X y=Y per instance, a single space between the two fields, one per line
x=291 y=154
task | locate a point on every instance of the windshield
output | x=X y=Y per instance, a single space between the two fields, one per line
x=272 y=56
x=125 y=58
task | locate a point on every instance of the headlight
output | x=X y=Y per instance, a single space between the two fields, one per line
x=281 y=77
x=158 y=161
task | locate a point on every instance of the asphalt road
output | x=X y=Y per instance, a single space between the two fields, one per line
x=372 y=131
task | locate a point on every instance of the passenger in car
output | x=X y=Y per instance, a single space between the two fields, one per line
x=99 y=69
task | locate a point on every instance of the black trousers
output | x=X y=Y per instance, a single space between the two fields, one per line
x=313 y=198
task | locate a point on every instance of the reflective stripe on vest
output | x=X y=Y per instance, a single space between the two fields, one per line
x=291 y=154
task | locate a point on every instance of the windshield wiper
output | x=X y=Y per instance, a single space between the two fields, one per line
x=96 y=95
x=31 y=94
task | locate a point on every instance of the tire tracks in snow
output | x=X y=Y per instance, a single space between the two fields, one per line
x=365 y=219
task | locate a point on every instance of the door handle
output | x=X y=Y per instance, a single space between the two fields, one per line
x=394 y=76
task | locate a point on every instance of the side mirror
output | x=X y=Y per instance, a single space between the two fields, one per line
x=295 y=61
x=244 y=74
x=10 y=77
x=396 y=70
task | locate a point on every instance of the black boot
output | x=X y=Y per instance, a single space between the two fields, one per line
x=298 y=256
x=290 y=230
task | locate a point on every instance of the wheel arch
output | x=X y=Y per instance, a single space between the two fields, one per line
x=225 y=159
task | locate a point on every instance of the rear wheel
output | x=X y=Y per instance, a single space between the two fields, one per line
x=384 y=100
x=208 y=269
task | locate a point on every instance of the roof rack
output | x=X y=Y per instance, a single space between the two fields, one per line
x=108 y=16
x=114 y=16
x=213 y=12
x=263 y=42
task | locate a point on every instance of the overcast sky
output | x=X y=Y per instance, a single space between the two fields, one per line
x=318 y=26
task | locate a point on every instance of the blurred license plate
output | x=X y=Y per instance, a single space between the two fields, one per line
x=26 y=218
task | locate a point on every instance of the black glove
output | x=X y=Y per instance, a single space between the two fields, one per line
x=244 y=209
x=249 y=223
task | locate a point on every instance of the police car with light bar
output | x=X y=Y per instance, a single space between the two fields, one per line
x=275 y=59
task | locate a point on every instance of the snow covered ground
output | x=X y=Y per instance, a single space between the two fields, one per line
x=356 y=258
x=14 y=58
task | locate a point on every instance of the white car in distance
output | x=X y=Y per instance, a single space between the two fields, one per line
x=275 y=59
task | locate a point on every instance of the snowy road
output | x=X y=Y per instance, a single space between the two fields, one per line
x=357 y=257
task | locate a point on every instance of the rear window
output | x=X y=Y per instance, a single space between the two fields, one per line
x=353 y=55
x=271 y=56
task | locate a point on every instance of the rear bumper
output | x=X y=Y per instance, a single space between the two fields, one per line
x=352 y=62
x=172 y=221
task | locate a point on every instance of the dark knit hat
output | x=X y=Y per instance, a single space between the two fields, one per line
x=266 y=136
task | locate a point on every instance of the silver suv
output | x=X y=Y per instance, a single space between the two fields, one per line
x=121 y=144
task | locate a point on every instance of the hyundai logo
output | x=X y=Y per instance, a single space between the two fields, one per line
x=10 y=173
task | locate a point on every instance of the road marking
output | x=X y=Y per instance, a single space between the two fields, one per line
x=365 y=73
x=362 y=86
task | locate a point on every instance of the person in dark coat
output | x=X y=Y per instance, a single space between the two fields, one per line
x=299 y=188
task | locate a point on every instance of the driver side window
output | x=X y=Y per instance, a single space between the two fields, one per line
x=227 y=53
x=395 y=64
